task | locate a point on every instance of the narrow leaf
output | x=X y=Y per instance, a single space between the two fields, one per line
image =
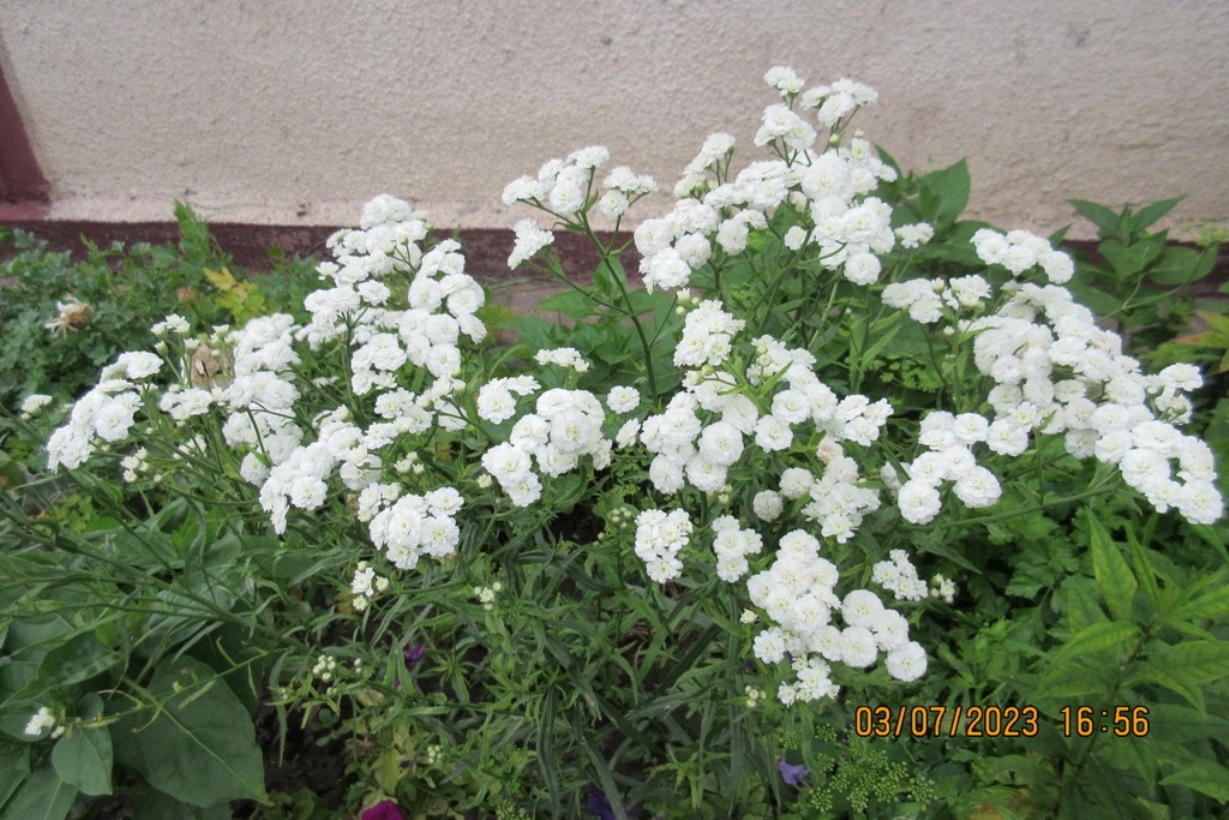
x=1095 y=638
x=1114 y=578
x=1203 y=776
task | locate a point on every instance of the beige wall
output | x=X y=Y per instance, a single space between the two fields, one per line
x=297 y=112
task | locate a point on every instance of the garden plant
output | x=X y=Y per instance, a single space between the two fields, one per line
x=838 y=505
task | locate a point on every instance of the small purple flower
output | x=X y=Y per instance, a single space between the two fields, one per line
x=413 y=655
x=792 y=774
x=384 y=810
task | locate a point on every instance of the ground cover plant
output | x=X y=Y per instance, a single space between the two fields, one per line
x=853 y=508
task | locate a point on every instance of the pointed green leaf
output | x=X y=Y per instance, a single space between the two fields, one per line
x=1198 y=662
x=571 y=303
x=1149 y=214
x=1178 y=724
x=1208 y=607
x=201 y=747
x=78 y=660
x=945 y=192
x=1095 y=638
x=1151 y=673
x=1114 y=578
x=1105 y=219
x=1203 y=776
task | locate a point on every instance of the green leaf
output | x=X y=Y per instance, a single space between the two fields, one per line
x=1149 y=214
x=1129 y=261
x=1105 y=219
x=1203 y=776
x=156 y=805
x=42 y=796
x=1208 y=607
x=571 y=303
x=1114 y=578
x=1180 y=266
x=1151 y=673
x=14 y=766
x=200 y=748
x=1095 y=638
x=945 y=193
x=1198 y=662
x=78 y=660
x=1178 y=724
x=83 y=760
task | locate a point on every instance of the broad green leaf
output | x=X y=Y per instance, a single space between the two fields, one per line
x=1114 y=578
x=200 y=748
x=570 y=303
x=78 y=660
x=1095 y=638
x=1180 y=266
x=945 y=193
x=156 y=805
x=1130 y=260
x=83 y=760
x=14 y=766
x=41 y=796
x=1204 y=776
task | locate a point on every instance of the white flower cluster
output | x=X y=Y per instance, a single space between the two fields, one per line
x=1056 y=371
x=708 y=332
x=563 y=187
x=33 y=404
x=563 y=357
x=899 y=577
x=950 y=439
x=913 y=236
x=365 y=585
x=798 y=593
x=486 y=595
x=106 y=412
x=732 y=546
x=1020 y=250
x=659 y=538
x=566 y=426
x=415 y=525
x=529 y=240
x=925 y=299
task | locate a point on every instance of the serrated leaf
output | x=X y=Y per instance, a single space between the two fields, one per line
x=1095 y=638
x=1198 y=662
x=1179 y=724
x=1208 y=607
x=1152 y=673
x=201 y=747
x=1114 y=578
x=1203 y=776
x=83 y=760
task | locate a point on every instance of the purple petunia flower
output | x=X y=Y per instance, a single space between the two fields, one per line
x=384 y=810
x=792 y=774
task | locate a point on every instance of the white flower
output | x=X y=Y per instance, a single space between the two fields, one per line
x=42 y=720
x=623 y=399
x=767 y=505
x=907 y=663
x=529 y=240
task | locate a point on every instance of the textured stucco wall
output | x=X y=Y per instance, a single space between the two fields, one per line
x=297 y=112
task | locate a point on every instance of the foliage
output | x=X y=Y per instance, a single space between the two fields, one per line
x=841 y=506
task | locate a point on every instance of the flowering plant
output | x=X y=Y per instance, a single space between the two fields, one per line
x=742 y=495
